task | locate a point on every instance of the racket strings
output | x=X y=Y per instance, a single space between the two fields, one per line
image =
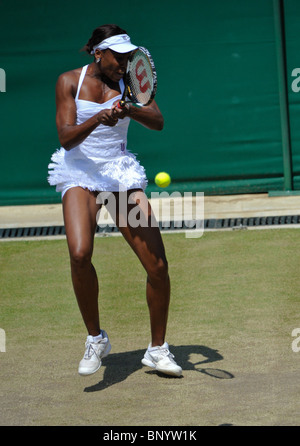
x=140 y=79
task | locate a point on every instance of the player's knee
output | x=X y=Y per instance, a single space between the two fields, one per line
x=158 y=270
x=80 y=257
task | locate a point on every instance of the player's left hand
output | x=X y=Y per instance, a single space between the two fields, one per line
x=120 y=112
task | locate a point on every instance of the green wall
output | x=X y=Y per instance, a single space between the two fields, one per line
x=218 y=89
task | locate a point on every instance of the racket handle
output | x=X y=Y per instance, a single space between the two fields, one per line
x=121 y=104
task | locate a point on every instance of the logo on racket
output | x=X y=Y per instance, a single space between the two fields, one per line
x=141 y=74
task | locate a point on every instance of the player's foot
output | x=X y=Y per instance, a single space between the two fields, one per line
x=94 y=352
x=162 y=360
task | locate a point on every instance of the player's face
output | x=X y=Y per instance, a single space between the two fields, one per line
x=113 y=64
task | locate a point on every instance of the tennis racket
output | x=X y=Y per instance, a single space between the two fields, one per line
x=140 y=79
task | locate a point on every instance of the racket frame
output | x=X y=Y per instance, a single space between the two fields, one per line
x=127 y=92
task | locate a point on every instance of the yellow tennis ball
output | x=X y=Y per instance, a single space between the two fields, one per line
x=162 y=179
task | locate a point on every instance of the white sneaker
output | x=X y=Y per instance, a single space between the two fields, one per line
x=94 y=352
x=162 y=360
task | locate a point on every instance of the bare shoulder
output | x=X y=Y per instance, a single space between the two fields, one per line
x=68 y=81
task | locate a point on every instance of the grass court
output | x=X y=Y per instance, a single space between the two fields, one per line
x=234 y=305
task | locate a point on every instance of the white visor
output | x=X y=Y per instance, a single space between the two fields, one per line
x=120 y=44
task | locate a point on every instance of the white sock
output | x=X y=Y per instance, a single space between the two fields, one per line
x=98 y=338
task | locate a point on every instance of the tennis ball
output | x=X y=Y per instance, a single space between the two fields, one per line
x=162 y=179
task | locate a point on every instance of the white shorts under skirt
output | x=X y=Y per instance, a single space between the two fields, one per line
x=114 y=171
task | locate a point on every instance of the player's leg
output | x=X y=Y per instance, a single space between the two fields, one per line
x=80 y=211
x=145 y=239
x=141 y=231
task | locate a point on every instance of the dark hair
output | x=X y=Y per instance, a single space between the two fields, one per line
x=101 y=33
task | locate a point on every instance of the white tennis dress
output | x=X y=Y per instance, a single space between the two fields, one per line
x=101 y=162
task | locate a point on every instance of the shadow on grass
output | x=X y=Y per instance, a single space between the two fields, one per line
x=118 y=366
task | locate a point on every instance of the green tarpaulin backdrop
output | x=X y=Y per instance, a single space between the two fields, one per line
x=218 y=87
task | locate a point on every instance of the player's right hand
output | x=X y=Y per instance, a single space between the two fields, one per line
x=107 y=117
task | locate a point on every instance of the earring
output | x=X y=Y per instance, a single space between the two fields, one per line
x=98 y=60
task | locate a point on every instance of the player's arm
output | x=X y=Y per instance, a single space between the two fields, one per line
x=70 y=134
x=149 y=116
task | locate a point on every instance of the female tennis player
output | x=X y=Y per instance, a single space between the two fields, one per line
x=93 y=160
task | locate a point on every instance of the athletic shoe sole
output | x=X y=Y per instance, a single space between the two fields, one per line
x=169 y=372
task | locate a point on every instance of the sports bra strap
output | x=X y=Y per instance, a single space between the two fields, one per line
x=82 y=74
x=81 y=77
x=122 y=86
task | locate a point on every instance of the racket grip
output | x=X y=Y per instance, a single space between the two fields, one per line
x=121 y=104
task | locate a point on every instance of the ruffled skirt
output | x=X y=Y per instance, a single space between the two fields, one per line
x=112 y=172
